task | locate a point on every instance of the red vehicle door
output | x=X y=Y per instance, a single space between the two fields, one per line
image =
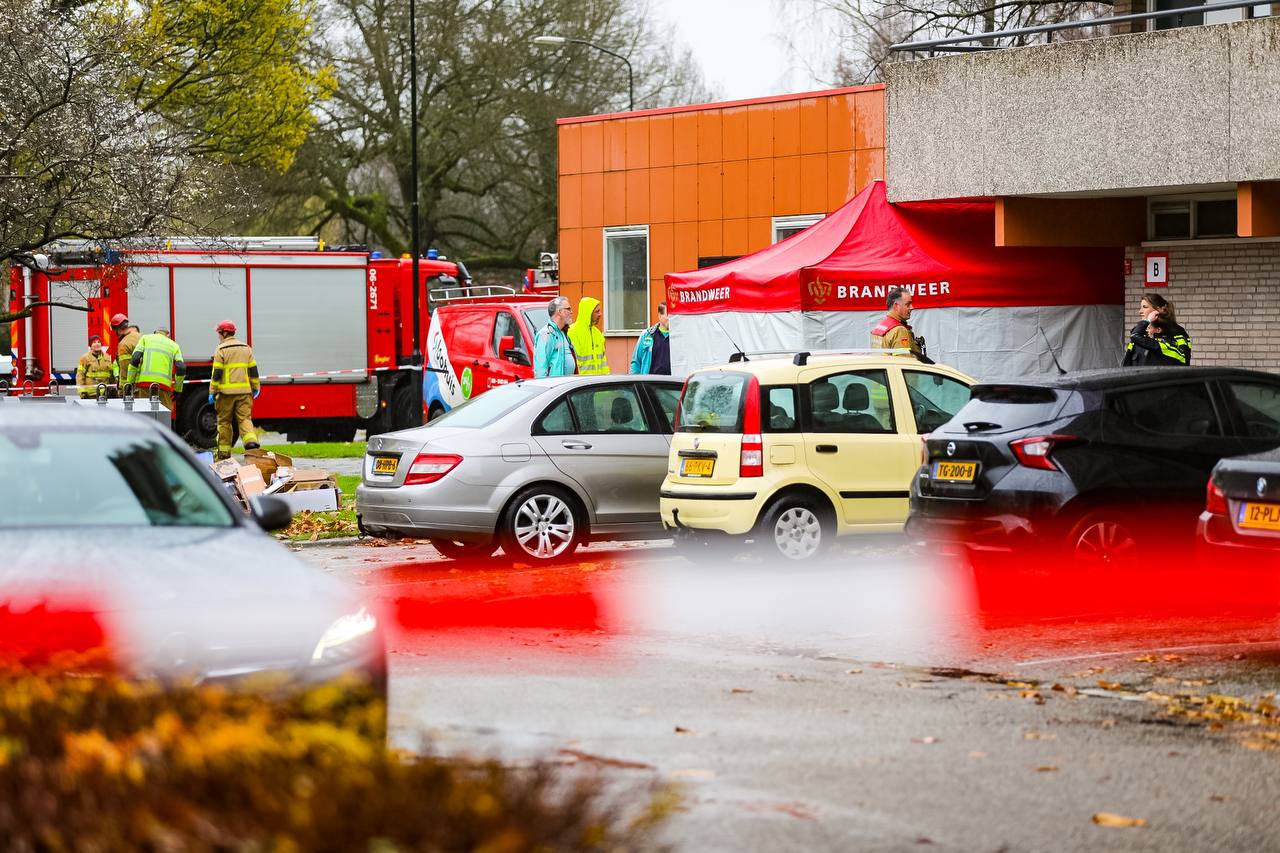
x=509 y=351
x=467 y=334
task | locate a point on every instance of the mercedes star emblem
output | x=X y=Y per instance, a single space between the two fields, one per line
x=1262 y=486
x=697 y=442
x=951 y=448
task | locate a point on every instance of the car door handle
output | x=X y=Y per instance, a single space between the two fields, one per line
x=827 y=448
x=575 y=445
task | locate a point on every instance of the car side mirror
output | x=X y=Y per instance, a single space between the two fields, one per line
x=270 y=513
x=516 y=356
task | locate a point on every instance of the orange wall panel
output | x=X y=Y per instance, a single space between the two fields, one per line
x=686 y=193
x=570 y=150
x=662 y=149
x=571 y=254
x=615 y=146
x=813 y=125
x=710 y=238
x=735 y=189
x=709 y=147
x=615 y=198
x=684 y=127
x=786 y=186
x=592 y=200
x=662 y=247
x=592 y=254
x=593 y=147
x=733 y=134
x=760 y=131
x=662 y=205
x=841 y=117
x=869 y=129
x=710 y=189
x=637 y=133
x=759 y=233
x=868 y=167
x=841 y=178
x=685 y=244
x=638 y=197
x=657 y=293
x=570 y=201
x=786 y=129
x=813 y=183
x=760 y=188
x=736 y=240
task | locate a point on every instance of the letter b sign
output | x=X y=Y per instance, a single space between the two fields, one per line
x=1157 y=269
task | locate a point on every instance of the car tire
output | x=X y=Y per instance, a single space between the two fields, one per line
x=464 y=550
x=796 y=528
x=434 y=412
x=402 y=406
x=542 y=525
x=1102 y=537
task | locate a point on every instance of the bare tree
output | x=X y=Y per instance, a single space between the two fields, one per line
x=488 y=104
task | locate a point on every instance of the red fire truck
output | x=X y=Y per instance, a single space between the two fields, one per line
x=331 y=328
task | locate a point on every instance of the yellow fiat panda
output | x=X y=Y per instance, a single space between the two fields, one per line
x=794 y=451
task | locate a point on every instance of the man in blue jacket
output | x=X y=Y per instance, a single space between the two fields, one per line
x=552 y=352
x=653 y=350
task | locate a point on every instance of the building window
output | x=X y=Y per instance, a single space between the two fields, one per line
x=1192 y=18
x=626 y=279
x=1188 y=218
x=786 y=226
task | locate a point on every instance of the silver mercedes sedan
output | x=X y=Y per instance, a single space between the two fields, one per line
x=536 y=467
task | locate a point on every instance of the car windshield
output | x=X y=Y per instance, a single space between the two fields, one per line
x=712 y=402
x=536 y=318
x=488 y=407
x=101 y=477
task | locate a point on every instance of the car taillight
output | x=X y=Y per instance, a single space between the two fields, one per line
x=1037 y=451
x=429 y=467
x=1215 y=502
x=751 y=461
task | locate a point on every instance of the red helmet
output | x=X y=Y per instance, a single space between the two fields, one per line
x=93 y=338
x=227 y=326
x=118 y=321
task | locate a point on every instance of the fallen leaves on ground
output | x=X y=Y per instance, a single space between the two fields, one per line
x=740 y=690
x=855 y=671
x=681 y=730
x=929 y=739
x=312 y=525
x=1047 y=768
x=1255 y=721
x=1116 y=821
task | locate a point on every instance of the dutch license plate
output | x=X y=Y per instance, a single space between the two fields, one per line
x=697 y=467
x=384 y=464
x=1260 y=516
x=955 y=472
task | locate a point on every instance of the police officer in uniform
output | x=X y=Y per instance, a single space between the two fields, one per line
x=232 y=389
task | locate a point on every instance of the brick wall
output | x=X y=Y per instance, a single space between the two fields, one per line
x=1227 y=295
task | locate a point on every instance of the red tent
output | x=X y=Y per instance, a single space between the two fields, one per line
x=943 y=251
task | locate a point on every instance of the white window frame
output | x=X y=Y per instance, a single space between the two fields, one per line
x=1191 y=200
x=624 y=231
x=797 y=222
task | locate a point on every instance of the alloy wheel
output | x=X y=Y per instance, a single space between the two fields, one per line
x=544 y=526
x=1105 y=542
x=798 y=533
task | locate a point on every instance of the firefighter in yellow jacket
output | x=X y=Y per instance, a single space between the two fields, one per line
x=232 y=390
x=96 y=368
x=128 y=336
x=157 y=363
x=586 y=339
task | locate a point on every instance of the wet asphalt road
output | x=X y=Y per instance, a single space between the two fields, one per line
x=875 y=702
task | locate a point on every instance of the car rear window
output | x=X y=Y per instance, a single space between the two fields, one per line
x=995 y=408
x=712 y=402
x=488 y=407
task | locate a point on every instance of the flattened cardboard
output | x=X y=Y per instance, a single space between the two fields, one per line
x=319 y=499
x=310 y=478
x=226 y=469
x=249 y=481
x=268 y=462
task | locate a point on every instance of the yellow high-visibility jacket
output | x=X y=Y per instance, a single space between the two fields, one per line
x=587 y=340
x=156 y=360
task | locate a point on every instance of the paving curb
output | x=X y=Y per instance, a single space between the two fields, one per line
x=340 y=540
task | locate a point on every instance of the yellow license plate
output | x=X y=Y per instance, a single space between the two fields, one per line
x=697 y=467
x=955 y=472
x=384 y=464
x=1260 y=516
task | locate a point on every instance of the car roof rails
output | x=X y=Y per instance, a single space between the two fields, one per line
x=802 y=357
x=470 y=292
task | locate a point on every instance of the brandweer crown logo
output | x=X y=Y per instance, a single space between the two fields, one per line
x=819 y=290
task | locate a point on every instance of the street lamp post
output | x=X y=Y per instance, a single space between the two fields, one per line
x=414 y=237
x=561 y=41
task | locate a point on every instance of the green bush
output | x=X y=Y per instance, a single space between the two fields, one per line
x=104 y=764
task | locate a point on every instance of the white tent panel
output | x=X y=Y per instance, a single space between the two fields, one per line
x=700 y=340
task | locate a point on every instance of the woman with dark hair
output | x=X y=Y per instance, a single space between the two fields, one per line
x=1157 y=339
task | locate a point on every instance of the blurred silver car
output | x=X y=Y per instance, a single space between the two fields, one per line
x=111 y=509
x=536 y=467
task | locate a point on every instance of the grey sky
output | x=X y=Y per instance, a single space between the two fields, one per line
x=740 y=44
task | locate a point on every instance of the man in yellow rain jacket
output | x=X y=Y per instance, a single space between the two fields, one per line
x=587 y=340
x=157 y=361
x=232 y=390
x=96 y=368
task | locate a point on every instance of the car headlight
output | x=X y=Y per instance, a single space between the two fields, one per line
x=341 y=639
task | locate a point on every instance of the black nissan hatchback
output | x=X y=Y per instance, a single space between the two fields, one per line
x=1100 y=462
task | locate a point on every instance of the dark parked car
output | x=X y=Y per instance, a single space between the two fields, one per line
x=1242 y=507
x=1098 y=461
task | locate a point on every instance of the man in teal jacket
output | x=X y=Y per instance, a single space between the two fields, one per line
x=552 y=352
x=653 y=350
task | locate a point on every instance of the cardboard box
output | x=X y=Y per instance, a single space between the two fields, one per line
x=268 y=462
x=310 y=478
x=249 y=481
x=226 y=469
x=323 y=498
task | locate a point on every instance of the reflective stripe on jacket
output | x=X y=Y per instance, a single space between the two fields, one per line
x=234 y=370
x=1172 y=347
x=157 y=360
x=94 y=370
x=587 y=340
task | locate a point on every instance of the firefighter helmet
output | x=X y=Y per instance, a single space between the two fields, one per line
x=93 y=338
x=227 y=326
x=118 y=321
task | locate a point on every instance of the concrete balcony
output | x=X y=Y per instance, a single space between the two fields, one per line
x=1183 y=110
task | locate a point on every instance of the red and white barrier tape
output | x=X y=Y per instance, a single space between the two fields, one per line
x=25 y=387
